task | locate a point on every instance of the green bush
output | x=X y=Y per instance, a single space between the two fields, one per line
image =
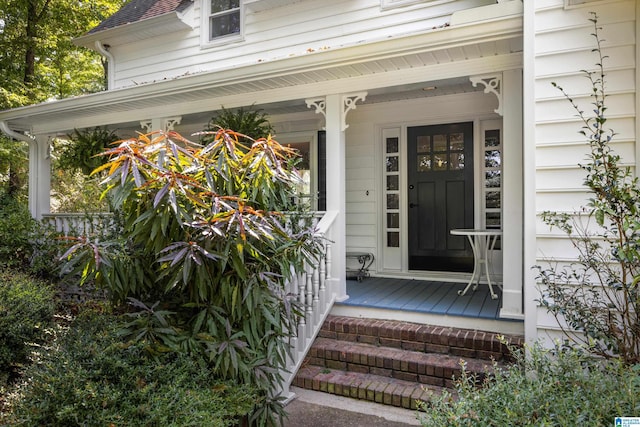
x=92 y=379
x=26 y=309
x=564 y=387
x=205 y=252
x=16 y=228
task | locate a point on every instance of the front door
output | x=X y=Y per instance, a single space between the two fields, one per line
x=440 y=178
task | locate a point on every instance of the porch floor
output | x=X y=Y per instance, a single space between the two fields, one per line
x=423 y=296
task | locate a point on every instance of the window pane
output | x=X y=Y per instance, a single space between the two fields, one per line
x=492 y=158
x=393 y=220
x=392 y=182
x=223 y=25
x=392 y=145
x=492 y=199
x=492 y=138
x=492 y=179
x=424 y=162
x=493 y=219
x=222 y=5
x=393 y=239
x=439 y=163
x=393 y=201
x=392 y=163
x=456 y=161
x=424 y=145
x=439 y=142
x=456 y=141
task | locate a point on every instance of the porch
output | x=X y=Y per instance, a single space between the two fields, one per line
x=426 y=301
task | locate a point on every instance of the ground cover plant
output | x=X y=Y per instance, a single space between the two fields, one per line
x=545 y=387
x=27 y=306
x=89 y=377
x=204 y=252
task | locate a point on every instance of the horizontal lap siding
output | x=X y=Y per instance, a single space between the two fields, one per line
x=300 y=28
x=563 y=46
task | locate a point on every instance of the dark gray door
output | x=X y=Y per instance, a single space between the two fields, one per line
x=440 y=178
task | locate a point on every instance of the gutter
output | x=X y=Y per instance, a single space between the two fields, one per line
x=15 y=135
x=103 y=49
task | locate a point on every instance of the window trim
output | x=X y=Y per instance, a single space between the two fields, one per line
x=205 y=30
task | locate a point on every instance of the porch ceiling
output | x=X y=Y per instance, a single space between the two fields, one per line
x=388 y=70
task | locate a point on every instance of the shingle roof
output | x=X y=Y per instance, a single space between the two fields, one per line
x=137 y=10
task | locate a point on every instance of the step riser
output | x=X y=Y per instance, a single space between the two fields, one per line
x=416 y=337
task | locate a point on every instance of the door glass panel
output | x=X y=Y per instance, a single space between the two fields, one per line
x=492 y=219
x=492 y=179
x=493 y=199
x=492 y=158
x=392 y=145
x=392 y=163
x=393 y=201
x=456 y=141
x=492 y=138
x=424 y=162
x=393 y=220
x=439 y=162
x=456 y=161
x=392 y=182
x=393 y=239
x=423 y=144
x=439 y=142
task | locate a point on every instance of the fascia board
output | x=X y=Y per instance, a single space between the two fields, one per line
x=445 y=38
x=146 y=28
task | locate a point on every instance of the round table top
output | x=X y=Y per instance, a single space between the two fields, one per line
x=476 y=232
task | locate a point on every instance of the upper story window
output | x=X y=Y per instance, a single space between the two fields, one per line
x=224 y=19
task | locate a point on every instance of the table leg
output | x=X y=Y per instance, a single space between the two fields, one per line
x=476 y=264
x=480 y=245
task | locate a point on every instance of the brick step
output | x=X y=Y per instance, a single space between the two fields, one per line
x=465 y=343
x=424 y=368
x=370 y=387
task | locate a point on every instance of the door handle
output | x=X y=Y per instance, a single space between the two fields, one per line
x=413 y=205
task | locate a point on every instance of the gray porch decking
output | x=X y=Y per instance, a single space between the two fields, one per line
x=423 y=296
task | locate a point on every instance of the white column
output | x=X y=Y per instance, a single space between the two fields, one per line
x=512 y=182
x=336 y=188
x=39 y=176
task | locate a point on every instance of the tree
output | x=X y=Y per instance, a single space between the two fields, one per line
x=39 y=62
x=37 y=56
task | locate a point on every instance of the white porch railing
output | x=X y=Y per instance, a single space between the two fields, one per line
x=78 y=224
x=316 y=287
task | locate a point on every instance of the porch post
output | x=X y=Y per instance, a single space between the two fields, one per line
x=40 y=177
x=512 y=220
x=335 y=108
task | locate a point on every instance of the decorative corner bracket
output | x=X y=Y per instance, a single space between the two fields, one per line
x=320 y=105
x=492 y=84
x=167 y=124
x=348 y=104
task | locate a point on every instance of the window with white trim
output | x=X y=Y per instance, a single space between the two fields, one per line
x=224 y=19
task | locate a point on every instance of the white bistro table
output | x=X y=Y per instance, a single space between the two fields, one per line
x=482 y=241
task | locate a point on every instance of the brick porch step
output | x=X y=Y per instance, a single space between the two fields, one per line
x=425 y=368
x=419 y=337
x=394 y=362
x=373 y=388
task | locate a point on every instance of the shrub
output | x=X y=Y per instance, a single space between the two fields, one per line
x=563 y=386
x=16 y=230
x=205 y=253
x=596 y=299
x=91 y=378
x=26 y=310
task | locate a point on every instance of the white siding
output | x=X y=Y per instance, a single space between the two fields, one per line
x=563 y=46
x=299 y=28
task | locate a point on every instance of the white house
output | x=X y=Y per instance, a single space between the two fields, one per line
x=433 y=115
